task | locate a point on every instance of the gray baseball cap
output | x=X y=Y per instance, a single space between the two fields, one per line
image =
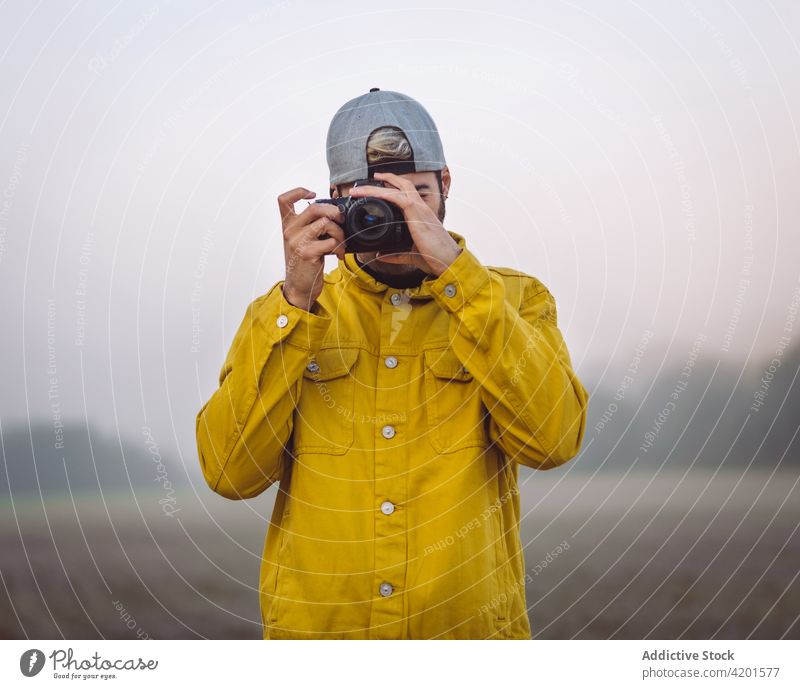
x=358 y=118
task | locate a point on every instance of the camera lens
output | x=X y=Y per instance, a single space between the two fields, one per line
x=369 y=221
x=370 y=215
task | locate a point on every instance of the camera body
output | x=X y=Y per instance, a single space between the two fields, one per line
x=370 y=223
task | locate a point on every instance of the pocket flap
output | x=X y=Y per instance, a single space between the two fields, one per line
x=331 y=363
x=443 y=363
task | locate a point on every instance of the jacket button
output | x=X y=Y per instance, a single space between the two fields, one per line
x=386 y=589
x=396 y=299
x=283 y=319
x=313 y=367
x=387 y=507
x=450 y=290
x=390 y=362
x=388 y=431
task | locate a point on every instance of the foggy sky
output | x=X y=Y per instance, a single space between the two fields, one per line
x=640 y=158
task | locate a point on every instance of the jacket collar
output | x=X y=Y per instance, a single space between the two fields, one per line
x=352 y=273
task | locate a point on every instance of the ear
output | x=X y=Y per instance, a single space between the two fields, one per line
x=445 y=181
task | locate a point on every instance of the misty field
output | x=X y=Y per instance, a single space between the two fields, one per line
x=675 y=555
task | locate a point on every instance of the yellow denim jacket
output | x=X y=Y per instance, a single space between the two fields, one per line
x=395 y=421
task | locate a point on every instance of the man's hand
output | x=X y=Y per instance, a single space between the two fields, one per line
x=433 y=249
x=303 y=249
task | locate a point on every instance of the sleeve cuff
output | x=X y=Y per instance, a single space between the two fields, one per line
x=288 y=323
x=459 y=282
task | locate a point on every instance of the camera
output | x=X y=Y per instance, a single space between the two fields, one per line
x=370 y=223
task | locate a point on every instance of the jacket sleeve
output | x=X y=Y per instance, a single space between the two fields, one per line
x=243 y=429
x=536 y=403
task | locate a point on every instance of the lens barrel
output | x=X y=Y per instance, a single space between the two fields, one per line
x=371 y=221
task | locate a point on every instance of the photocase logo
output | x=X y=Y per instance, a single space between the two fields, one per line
x=31 y=662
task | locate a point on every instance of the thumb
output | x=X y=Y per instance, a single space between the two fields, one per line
x=408 y=258
x=401 y=257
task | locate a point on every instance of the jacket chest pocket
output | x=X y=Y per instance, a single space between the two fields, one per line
x=324 y=420
x=453 y=403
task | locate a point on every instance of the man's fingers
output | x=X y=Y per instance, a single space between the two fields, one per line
x=323 y=247
x=287 y=200
x=331 y=229
x=322 y=226
x=307 y=244
x=318 y=210
x=298 y=223
x=395 y=180
x=398 y=197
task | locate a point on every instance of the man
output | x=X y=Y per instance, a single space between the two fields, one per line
x=394 y=400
